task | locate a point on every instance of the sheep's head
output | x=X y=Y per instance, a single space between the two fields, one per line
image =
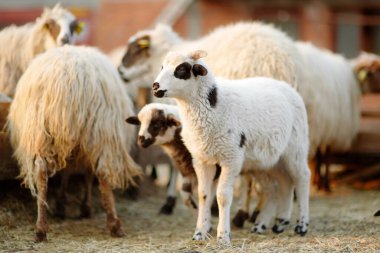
x=144 y=50
x=157 y=125
x=180 y=75
x=61 y=25
x=367 y=70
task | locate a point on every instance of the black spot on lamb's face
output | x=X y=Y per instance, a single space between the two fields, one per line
x=136 y=50
x=199 y=70
x=182 y=71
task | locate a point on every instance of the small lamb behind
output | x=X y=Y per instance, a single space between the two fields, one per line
x=260 y=122
x=160 y=125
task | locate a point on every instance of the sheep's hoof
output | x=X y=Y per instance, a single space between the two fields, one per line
x=240 y=218
x=215 y=208
x=259 y=228
x=280 y=225
x=167 y=209
x=377 y=213
x=224 y=238
x=40 y=236
x=254 y=216
x=198 y=236
x=116 y=230
x=85 y=212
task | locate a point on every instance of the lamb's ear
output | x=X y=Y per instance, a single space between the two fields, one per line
x=172 y=121
x=197 y=54
x=199 y=70
x=133 y=120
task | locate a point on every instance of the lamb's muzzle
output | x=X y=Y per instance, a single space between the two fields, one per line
x=159 y=93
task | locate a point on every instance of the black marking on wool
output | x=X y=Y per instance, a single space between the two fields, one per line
x=242 y=140
x=73 y=26
x=204 y=197
x=182 y=71
x=212 y=96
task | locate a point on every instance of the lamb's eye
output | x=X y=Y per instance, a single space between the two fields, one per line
x=162 y=67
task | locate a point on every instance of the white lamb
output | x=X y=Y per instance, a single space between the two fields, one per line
x=69 y=108
x=20 y=44
x=258 y=122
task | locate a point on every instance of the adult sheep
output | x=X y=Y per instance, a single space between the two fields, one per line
x=69 y=107
x=257 y=49
x=20 y=44
x=261 y=122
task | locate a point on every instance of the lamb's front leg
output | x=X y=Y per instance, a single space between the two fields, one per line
x=205 y=175
x=224 y=195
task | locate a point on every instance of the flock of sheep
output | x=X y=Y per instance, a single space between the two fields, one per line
x=243 y=101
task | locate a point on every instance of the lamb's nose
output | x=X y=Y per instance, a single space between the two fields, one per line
x=159 y=93
x=141 y=139
x=156 y=86
x=65 y=39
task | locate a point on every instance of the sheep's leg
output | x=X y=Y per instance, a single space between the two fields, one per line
x=187 y=192
x=267 y=212
x=61 y=200
x=168 y=207
x=300 y=174
x=260 y=203
x=284 y=203
x=85 y=210
x=224 y=195
x=40 y=229
x=113 y=222
x=205 y=175
x=244 y=200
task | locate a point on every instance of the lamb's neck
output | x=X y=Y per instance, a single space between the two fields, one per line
x=180 y=154
x=198 y=110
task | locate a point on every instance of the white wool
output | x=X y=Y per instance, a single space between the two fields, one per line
x=70 y=102
x=331 y=94
x=20 y=44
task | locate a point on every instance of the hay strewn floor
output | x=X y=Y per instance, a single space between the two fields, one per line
x=341 y=222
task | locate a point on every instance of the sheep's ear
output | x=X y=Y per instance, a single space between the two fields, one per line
x=196 y=55
x=172 y=121
x=199 y=70
x=133 y=120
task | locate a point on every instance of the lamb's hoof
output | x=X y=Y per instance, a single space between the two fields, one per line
x=116 y=230
x=167 y=209
x=224 y=238
x=215 y=209
x=199 y=236
x=254 y=216
x=40 y=236
x=259 y=228
x=240 y=218
x=280 y=225
x=301 y=230
x=85 y=212
x=377 y=213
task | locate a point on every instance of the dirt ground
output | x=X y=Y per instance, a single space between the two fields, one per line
x=340 y=222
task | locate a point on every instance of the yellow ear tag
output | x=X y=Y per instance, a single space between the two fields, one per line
x=79 y=28
x=143 y=43
x=362 y=75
